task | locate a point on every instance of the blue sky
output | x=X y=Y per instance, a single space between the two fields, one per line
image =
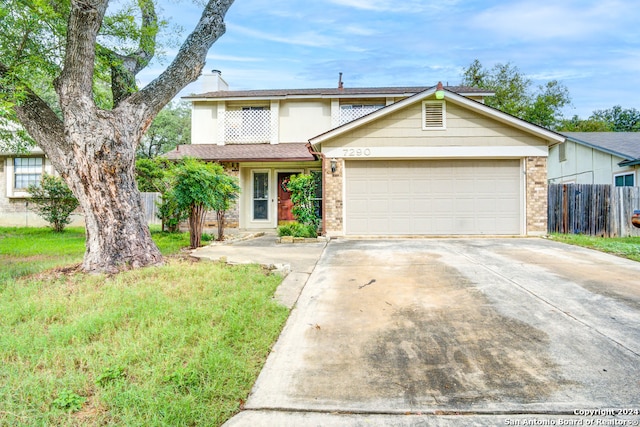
x=592 y=47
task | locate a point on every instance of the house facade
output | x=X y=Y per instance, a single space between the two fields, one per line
x=17 y=172
x=596 y=158
x=390 y=161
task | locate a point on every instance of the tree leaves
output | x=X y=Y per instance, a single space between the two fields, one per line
x=513 y=93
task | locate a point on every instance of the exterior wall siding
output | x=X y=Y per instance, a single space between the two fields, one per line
x=463 y=128
x=204 y=123
x=300 y=121
x=583 y=165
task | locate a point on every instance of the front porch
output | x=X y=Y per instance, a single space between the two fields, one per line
x=262 y=171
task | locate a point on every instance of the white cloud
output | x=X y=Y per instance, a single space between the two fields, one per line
x=395 y=6
x=215 y=57
x=307 y=38
x=358 y=30
x=533 y=20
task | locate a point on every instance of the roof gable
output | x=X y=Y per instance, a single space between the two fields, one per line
x=448 y=96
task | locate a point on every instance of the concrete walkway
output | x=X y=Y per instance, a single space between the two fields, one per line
x=452 y=332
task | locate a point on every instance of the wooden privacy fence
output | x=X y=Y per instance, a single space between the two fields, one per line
x=150 y=207
x=593 y=209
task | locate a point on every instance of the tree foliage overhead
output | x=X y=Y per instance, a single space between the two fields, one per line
x=68 y=76
x=513 y=93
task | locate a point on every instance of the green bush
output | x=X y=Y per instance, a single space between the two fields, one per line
x=295 y=229
x=53 y=201
x=303 y=195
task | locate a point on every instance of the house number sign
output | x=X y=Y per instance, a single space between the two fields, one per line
x=356 y=152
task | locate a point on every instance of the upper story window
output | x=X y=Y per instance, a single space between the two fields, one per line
x=433 y=115
x=351 y=112
x=624 y=180
x=27 y=171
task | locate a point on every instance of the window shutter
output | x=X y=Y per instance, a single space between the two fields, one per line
x=433 y=115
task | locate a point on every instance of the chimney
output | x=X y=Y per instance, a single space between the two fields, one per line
x=340 y=84
x=213 y=82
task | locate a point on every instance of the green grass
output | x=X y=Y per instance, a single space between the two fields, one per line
x=174 y=345
x=25 y=251
x=626 y=247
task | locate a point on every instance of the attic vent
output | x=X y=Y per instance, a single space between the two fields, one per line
x=433 y=115
x=562 y=151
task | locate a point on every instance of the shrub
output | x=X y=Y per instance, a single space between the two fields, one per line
x=53 y=201
x=295 y=229
x=303 y=193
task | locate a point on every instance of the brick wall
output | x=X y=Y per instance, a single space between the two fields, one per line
x=334 y=198
x=536 y=173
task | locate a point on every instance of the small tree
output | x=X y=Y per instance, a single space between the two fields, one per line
x=199 y=187
x=53 y=201
x=303 y=192
x=227 y=190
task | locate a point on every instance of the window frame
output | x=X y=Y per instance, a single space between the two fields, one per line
x=32 y=170
x=265 y=199
x=624 y=175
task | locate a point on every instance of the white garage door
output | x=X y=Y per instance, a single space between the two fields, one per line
x=433 y=197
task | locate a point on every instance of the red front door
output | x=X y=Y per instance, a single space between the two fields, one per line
x=284 y=198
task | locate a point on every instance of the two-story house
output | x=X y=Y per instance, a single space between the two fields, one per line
x=391 y=161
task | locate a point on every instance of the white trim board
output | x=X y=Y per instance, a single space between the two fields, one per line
x=477 y=152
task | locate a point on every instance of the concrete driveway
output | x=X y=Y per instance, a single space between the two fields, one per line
x=417 y=332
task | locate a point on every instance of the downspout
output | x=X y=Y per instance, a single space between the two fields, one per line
x=324 y=211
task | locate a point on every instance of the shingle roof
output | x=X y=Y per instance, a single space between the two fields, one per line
x=285 y=152
x=273 y=93
x=621 y=144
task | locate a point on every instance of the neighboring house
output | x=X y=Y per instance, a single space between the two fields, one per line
x=596 y=158
x=17 y=172
x=391 y=161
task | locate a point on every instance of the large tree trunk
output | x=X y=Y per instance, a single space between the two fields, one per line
x=100 y=172
x=94 y=149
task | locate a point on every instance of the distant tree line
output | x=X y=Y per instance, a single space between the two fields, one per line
x=543 y=105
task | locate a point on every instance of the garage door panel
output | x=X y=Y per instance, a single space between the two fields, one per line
x=437 y=197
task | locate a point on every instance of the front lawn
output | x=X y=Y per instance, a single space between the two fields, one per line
x=176 y=345
x=626 y=247
x=25 y=250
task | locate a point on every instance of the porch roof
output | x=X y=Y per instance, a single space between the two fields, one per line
x=285 y=152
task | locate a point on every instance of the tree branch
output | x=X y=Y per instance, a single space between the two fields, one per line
x=37 y=118
x=75 y=83
x=125 y=67
x=188 y=63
